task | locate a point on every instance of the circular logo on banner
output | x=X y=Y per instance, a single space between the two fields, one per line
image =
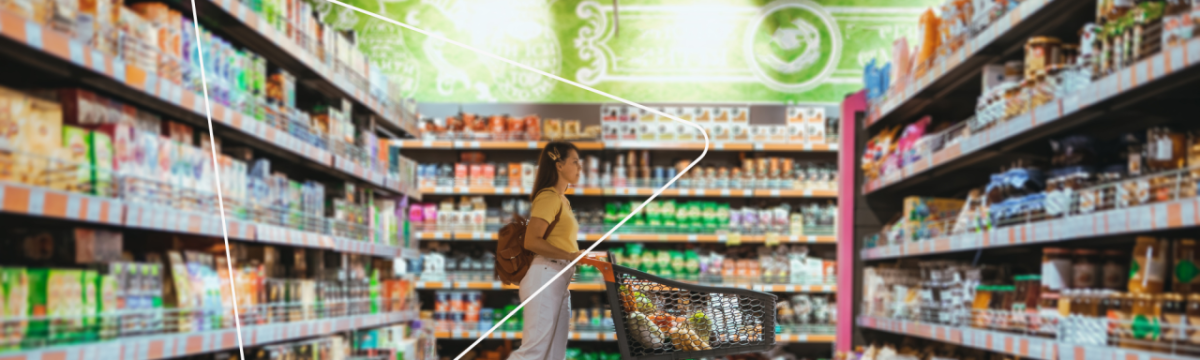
x=793 y=45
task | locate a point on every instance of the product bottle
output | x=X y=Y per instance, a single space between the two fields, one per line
x=1185 y=277
x=619 y=174
x=1145 y=318
x=1149 y=266
x=606 y=178
x=1193 y=317
x=1174 y=317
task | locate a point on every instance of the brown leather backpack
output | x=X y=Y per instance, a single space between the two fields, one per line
x=512 y=259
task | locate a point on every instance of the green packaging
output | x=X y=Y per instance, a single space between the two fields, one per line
x=88 y=300
x=39 y=282
x=667 y=214
x=79 y=150
x=14 y=304
x=101 y=161
x=106 y=305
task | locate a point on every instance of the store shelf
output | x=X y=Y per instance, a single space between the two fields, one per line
x=909 y=96
x=35 y=201
x=1010 y=343
x=1121 y=88
x=1168 y=215
x=613 y=145
x=493 y=285
x=584 y=286
x=178 y=345
x=516 y=335
x=136 y=84
x=611 y=336
x=42 y=202
x=278 y=48
x=740 y=193
x=700 y=238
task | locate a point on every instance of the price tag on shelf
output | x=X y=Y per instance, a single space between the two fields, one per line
x=733 y=239
x=772 y=239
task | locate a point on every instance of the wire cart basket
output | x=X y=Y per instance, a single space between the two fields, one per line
x=657 y=318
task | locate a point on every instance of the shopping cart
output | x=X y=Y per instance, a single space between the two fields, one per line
x=658 y=318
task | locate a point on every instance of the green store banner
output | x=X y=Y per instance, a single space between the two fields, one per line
x=708 y=51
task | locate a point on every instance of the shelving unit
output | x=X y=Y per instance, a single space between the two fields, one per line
x=180 y=345
x=39 y=56
x=1147 y=93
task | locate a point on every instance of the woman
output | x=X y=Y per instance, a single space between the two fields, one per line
x=546 y=317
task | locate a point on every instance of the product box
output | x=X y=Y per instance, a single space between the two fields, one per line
x=611 y=130
x=632 y=114
x=993 y=75
x=14 y=304
x=647 y=131
x=646 y=115
x=687 y=113
x=527 y=175
x=796 y=124
x=514 y=174
x=760 y=133
x=705 y=114
x=572 y=130
x=665 y=131
x=32 y=130
x=741 y=132
x=82 y=107
x=686 y=132
x=629 y=131
x=740 y=115
x=721 y=132
x=77 y=142
x=723 y=114
x=101 y=163
x=609 y=113
x=778 y=133
x=476 y=175
x=816 y=125
x=461 y=174
x=553 y=129
x=671 y=111
x=926 y=217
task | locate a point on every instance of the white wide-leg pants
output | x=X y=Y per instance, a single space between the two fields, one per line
x=547 y=317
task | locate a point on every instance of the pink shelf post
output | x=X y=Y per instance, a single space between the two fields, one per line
x=845 y=227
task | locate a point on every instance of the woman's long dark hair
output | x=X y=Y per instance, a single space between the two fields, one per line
x=547 y=172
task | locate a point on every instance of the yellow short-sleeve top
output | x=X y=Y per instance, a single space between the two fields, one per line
x=565 y=234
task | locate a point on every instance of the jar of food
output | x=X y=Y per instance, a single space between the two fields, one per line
x=1186 y=275
x=1083 y=271
x=1149 y=266
x=1146 y=315
x=1040 y=52
x=981 y=305
x=1028 y=287
x=1120 y=306
x=1193 y=317
x=1003 y=298
x=1174 y=318
x=1114 y=277
x=1047 y=313
x=1056 y=269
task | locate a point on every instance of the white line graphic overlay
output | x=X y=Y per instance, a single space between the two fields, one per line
x=561 y=79
x=237 y=322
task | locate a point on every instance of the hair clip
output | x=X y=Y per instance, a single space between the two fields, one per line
x=553 y=153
